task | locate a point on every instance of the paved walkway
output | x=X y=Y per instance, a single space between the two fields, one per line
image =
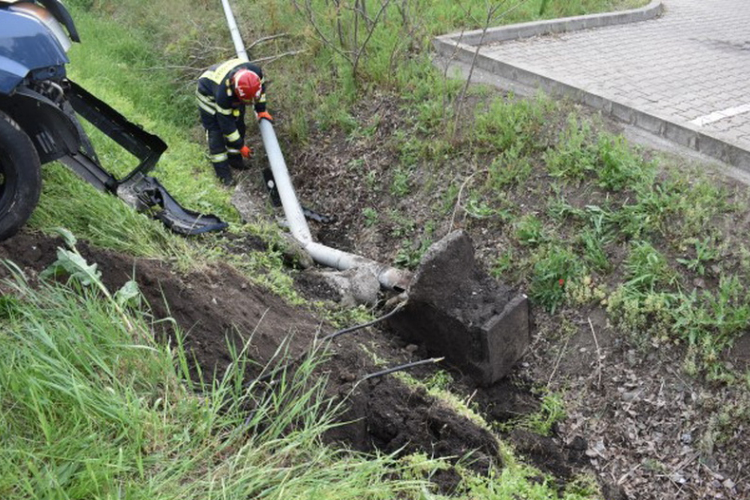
x=684 y=74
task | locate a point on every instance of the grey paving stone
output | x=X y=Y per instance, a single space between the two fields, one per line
x=671 y=74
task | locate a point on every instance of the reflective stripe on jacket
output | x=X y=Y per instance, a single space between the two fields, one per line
x=215 y=95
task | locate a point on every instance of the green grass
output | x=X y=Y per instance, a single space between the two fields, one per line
x=551 y=411
x=516 y=480
x=510 y=125
x=580 y=154
x=91 y=407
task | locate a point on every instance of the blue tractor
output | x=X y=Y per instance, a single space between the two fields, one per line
x=40 y=112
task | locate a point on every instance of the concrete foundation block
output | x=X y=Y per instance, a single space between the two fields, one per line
x=458 y=311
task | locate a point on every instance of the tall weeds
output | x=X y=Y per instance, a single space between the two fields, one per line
x=91 y=407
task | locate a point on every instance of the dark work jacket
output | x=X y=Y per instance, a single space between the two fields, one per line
x=216 y=96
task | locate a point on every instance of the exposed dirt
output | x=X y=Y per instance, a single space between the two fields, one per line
x=216 y=306
x=633 y=418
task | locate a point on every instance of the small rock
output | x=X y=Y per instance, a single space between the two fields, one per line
x=631 y=358
x=355 y=286
x=294 y=251
x=631 y=395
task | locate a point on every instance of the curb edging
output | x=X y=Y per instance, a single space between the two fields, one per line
x=553 y=26
x=458 y=46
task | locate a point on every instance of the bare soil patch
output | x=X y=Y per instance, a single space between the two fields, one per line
x=217 y=307
x=633 y=418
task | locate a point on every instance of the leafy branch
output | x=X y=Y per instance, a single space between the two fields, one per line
x=73 y=264
x=345 y=18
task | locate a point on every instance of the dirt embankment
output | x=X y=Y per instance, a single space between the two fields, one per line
x=218 y=305
x=631 y=416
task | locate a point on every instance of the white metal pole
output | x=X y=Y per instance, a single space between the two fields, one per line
x=239 y=47
x=388 y=277
x=292 y=208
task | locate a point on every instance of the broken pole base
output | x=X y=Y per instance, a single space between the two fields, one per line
x=458 y=311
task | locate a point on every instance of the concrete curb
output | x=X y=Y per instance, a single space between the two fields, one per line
x=553 y=26
x=462 y=46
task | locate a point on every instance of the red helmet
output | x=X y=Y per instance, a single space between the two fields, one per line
x=246 y=85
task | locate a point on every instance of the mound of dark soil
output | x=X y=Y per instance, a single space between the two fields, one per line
x=217 y=306
x=651 y=431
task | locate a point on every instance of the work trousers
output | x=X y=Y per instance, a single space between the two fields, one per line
x=220 y=154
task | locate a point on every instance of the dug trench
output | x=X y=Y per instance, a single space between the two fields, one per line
x=627 y=410
x=216 y=307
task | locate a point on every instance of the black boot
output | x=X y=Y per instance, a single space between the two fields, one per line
x=223 y=173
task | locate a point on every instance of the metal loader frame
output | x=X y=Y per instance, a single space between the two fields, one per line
x=51 y=120
x=143 y=192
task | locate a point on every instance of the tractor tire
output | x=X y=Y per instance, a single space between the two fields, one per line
x=20 y=177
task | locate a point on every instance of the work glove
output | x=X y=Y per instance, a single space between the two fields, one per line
x=246 y=152
x=266 y=115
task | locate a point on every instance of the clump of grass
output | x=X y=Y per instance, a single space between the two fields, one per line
x=103 y=219
x=585 y=291
x=647 y=268
x=551 y=411
x=643 y=315
x=510 y=168
x=400 y=186
x=554 y=265
x=510 y=125
x=411 y=252
x=593 y=250
x=93 y=407
x=618 y=166
x=370 y=215
x=712 y=320
x=572 y=158
x=707 y=322
x=706 y=252
x=519 y=480
x=580 y=154
x=530 y=231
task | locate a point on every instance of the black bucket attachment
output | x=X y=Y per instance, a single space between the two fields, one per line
x=146 y=194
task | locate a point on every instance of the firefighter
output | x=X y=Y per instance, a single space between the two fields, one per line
x=223 y=92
